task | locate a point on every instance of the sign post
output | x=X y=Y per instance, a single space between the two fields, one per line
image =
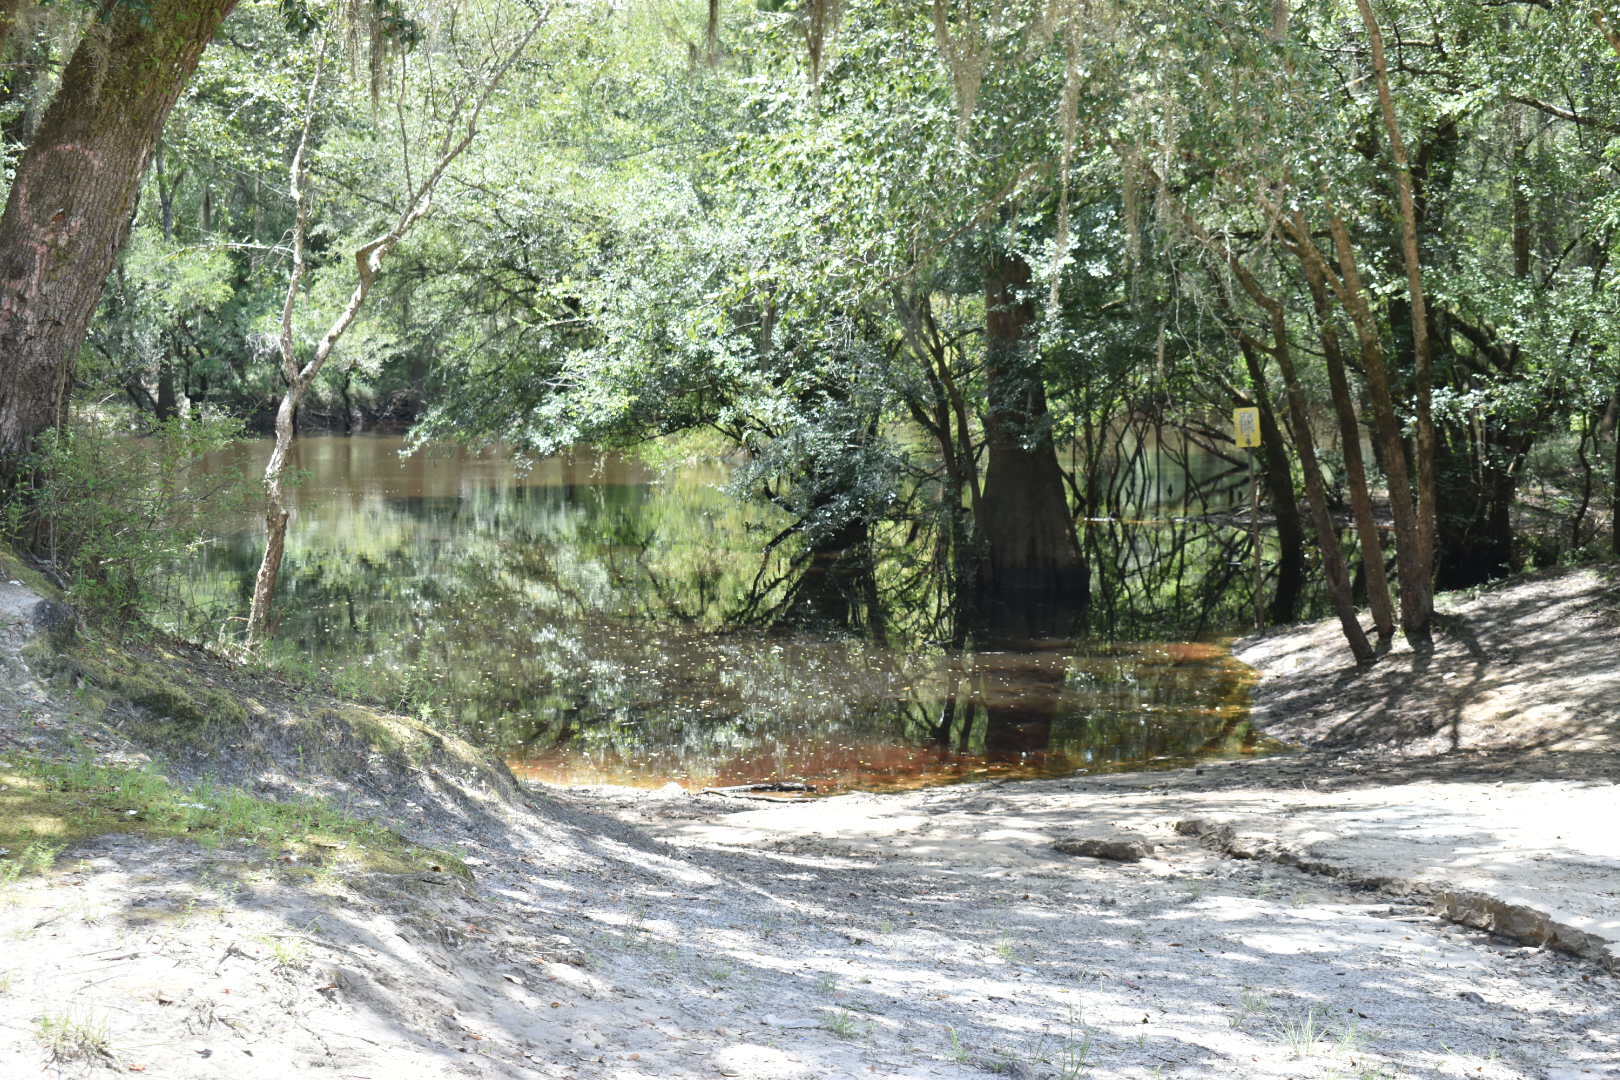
x=1246 y=433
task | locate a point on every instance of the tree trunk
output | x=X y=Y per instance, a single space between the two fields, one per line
x=166 y=406
x=275 y=520
x=1422 y=353
x=1035 y=566
x=69 y=210
x=1479 y=478
x=1416 y=589
x=368 y=260
x=1344 y=408
x=1334 y=568
x=1284 y=507
x=1614 y=493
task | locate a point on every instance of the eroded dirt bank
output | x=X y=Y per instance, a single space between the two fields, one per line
x=633 y=934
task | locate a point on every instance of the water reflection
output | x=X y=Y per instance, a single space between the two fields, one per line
x=573 y=616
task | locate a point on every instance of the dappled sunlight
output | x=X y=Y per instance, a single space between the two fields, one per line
x=662 y=865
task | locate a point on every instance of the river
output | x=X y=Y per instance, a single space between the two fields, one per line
x=574 y=616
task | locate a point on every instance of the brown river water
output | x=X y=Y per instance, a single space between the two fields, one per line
x=574 y=615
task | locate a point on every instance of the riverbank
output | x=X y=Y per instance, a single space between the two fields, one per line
x=1282 y=921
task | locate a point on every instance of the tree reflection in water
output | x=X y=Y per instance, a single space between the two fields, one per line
x=575 y=617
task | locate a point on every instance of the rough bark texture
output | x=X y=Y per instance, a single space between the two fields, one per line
x=1034 y=555
x=71 y=201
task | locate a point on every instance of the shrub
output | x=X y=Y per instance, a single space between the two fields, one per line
x=107 y=509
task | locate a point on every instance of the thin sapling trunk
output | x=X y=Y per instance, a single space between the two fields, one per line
x=460 y=131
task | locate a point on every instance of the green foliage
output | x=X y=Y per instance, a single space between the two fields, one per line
x=648 y=239
x=109 y=509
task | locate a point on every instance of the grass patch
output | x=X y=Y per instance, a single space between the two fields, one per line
x=844 y=1025
x=1068 y=1051
x=1302 y=1033
x=194 y=708
x=13 y=568
x=47 y=805
x=395 y=734
x=68 y=1039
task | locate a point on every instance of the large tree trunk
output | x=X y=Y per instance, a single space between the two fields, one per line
x=70 y=205
x=166 y=406
x=1034 y=563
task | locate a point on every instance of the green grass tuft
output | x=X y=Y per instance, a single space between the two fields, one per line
x=45 y=806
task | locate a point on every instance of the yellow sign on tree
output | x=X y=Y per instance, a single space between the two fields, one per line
x=1246 y=426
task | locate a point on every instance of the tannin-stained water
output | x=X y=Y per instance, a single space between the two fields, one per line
x=573 y=615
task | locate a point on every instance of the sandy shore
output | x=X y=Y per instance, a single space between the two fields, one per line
x=1291 y=917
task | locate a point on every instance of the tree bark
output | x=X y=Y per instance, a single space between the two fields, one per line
x=1416 y=591
x=1334 y=568
x=1614 y=488
x=69 y=210
x=1361 y=507
x=1422 y=351
x=166 y=407
x=1284 y=507
x=1035 y=566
